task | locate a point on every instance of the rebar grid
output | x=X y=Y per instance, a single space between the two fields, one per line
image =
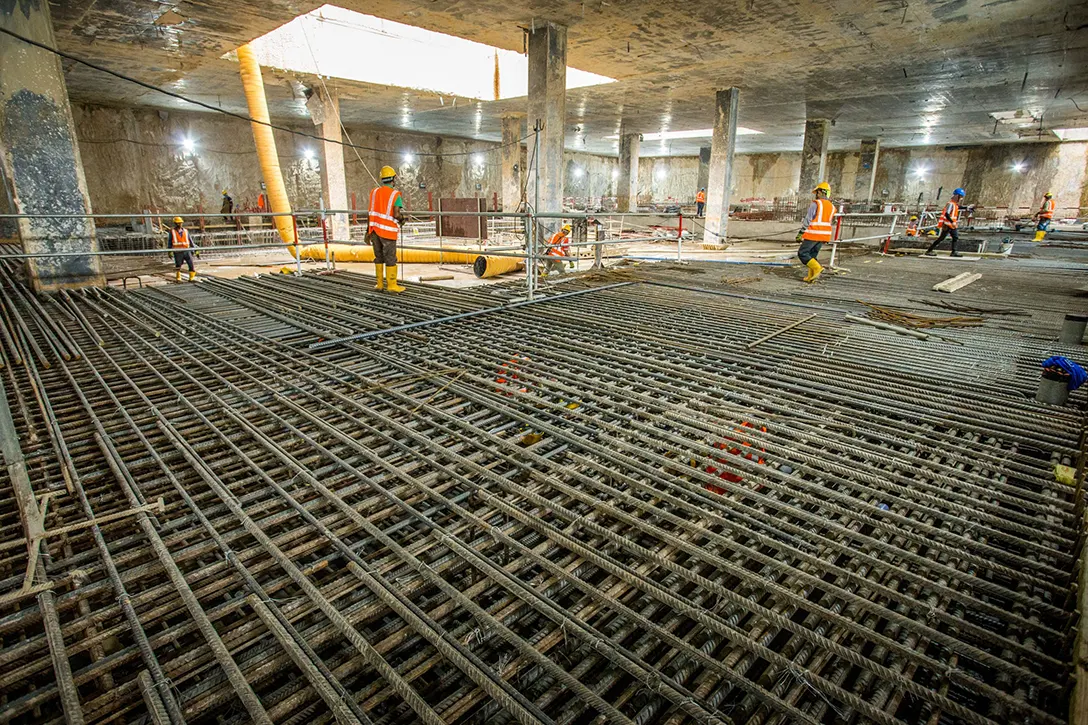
x=596 y=508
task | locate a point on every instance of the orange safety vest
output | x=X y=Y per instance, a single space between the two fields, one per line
x=380 y=220
x=912 y=229
x=700 y=198
x=559 y=246
x=951 y=216
x=179 y=238
x=819 y=229
x=1047 y=210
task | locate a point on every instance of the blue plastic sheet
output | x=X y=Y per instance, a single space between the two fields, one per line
x=1077 y=375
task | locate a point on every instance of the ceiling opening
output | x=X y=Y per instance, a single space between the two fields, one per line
x=339 y=43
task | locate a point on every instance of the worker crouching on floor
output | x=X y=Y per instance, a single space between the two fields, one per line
x=912 y=227
x=817 y=230
x=383 y=229
x=1044 y=215
x=558 y=250
x=182 y=245
x=949 y=224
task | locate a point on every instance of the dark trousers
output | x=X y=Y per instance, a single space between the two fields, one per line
x=1043 y=225
x=699 y=206
x=185 y=257
x=945 y=232
x=808 y=250
x=385 y=250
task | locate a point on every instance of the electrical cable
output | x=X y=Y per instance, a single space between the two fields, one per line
x=240 y=116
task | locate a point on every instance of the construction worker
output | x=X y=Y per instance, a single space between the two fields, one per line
x=558 y=249
x=182 y=245
x=383 y=229
x=948 y=224
x=227 y=207
x=1044 y=215
x=912 y=226
x=817 y=230
x=700 y=202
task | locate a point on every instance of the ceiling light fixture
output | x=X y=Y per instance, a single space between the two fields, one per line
x=1071 y=134
x=697 y=133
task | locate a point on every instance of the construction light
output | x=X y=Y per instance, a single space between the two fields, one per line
x=1019 y=166
x=478 y=159
x=615 y=173
x=309 y=154
x=661 y=173
x=188 y=146
x=578 y=172
x=408 y=158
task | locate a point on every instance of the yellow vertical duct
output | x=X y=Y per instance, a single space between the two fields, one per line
x=253 y=84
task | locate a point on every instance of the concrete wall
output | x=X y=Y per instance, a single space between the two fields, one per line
x=132 y=161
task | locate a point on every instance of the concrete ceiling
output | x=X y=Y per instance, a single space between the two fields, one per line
x=912 y=72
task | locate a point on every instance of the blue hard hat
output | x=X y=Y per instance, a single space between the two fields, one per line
x=959 y=192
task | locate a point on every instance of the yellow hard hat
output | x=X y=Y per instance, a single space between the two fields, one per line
x=914 y=218
x=823 y=185
x=224 y=192
x=178 y=220
x=1048 y=194
x=387 y=172
x=566 y=227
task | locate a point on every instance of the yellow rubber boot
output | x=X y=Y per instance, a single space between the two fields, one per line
x=391 y=279
x=192 y=275
x=1039 y=235
x=379 y=274
x=177 y=275
x=808 y=277
x=814 y=270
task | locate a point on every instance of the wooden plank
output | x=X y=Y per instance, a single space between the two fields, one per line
x=958 y=282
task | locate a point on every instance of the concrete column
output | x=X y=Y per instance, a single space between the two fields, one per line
x=704 y=168
x=512 y=125
x=866 y=178
x=627 y=181
x=325 y=112
x=547 y=107
x=39 y=153
x=720 y=173
x=813 y=155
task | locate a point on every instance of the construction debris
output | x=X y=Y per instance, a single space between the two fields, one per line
x=958 y=282
x=908 y=319
x=957 y=307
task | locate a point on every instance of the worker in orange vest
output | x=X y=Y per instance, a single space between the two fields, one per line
x=558 y=249
x=700 y=202
x=912 y=227
x=817 y=230
x=948 y=224
x=1044 y=215
x=182 y=245
x=384 y=218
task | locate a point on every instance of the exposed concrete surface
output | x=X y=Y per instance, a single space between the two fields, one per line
x=627 y=185
x=547 y=46
x=513 y=129
x=39 y=153
x=866 y=174
x=334 y=188
x=722 y=149
x=814 y=154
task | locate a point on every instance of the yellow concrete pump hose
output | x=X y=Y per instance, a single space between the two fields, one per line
x=253 y=84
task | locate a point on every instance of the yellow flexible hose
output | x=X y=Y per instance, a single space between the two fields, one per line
x=482 y=265
x=253 y=84
x=485 y=266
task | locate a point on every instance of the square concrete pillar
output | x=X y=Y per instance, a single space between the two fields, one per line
x=547 y=111
x=627 y=180
x=814 y=155
x=325 y=113
x=512 y=133
x=866 y=178
x=723 y=146
x=39 y=152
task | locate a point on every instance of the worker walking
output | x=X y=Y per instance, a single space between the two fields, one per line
x=912 y=227
x=700 y=202
x=383 y=229
x=182 y=245
x=227 y=207
x=949 y=224
x=1044 y=215
x=558 y=249
x=817 y=230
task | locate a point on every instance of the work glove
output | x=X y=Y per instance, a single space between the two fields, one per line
x=800 y=237
x=571 y=264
